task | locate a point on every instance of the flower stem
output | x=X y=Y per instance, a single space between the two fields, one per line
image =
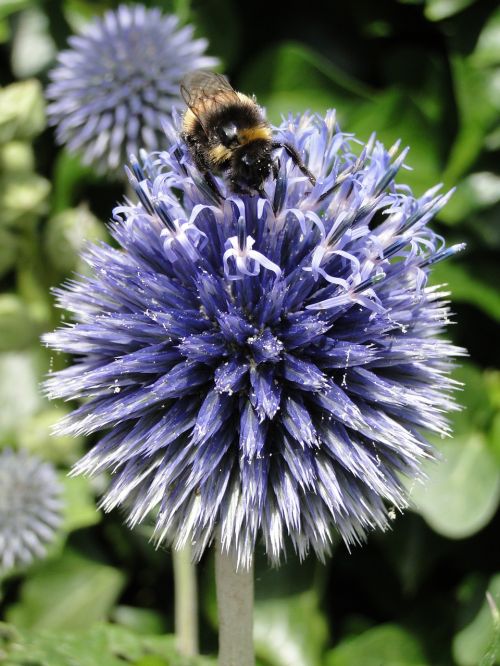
x=235 y=608
x=186 y=602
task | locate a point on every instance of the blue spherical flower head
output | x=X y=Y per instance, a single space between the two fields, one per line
x=264 y=366
x=111 y=91
x=30 y=508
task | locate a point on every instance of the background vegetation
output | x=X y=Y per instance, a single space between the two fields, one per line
x=427 y=72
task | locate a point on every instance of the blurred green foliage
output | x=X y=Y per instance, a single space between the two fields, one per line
x=426 y=593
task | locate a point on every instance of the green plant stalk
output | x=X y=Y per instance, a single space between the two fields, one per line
x=186 y=602
x=235 y=592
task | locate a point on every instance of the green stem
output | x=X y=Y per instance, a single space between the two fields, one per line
x=186 y=602
x=235 y=608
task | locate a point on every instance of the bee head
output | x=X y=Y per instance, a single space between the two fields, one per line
x=252 y=163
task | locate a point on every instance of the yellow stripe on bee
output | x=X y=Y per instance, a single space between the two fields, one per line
x=220 y=154
x=189 y=122
x=250 y=134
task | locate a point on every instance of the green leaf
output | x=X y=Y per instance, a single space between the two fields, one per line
x=479 y=641
x=387 y=645
x=71 y=593
x=129 y=645
x=291 y=630
x=291 y=579
x=492 y=140
x=79 y=503
x=9 y=246
x=20 y=399
x=470 y=286
x=4 y=31
x=16 y=157
x=462 y=491
x=78 y=13
x=477 y=114
x=66 y=235
x=411 y=550
x=289 y=626
x=475 y=398
x=140 y=620
x=492 y=382
x=69 y=172
x=35 y=435
x=10 y=6
x=494 y=439
x=152 y=646
x=182 y=9
x=22 y=196
x=22 y=110
x=487 y=51
x=32 y=47
x=474 y=193
x=394 y=115
x=79 y=511
x=437 y=10
x=424 y=84
x=58 y=649
x=291 y=77
x=291 y=65
x=102 y=645
x=18 y=329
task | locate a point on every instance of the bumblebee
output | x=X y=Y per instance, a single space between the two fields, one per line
x=226 y=133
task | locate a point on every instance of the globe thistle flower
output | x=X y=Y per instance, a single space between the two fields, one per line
x=111 y=91
x=265 y=366
x=30 y=508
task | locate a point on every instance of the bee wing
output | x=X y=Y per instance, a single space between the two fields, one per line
x=202 y=89
x=202 y=84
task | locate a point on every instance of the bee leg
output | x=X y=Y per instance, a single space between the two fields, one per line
x=297 y=160
x=210 y=181
x=276 y=165
x=238 y=188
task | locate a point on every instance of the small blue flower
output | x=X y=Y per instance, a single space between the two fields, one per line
x=262 y=365
x=30 y=508
x=111 y=91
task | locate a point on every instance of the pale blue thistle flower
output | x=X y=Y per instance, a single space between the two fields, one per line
x=116 y=85
x=30 y=508
x=267 y=366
